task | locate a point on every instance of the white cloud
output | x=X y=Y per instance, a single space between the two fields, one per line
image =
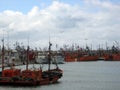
x=33 y=12
x=65 y=23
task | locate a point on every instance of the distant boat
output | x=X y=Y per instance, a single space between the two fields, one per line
x=112 y=57
x=88 y=58
x=42 y=59
x=58 y=59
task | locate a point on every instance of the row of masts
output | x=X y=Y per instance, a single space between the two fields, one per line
x=27 y=54
x=22 y=51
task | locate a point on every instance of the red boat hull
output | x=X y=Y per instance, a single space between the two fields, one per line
x=48 y=77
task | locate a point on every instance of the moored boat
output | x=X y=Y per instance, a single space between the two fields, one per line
x=88 y=58
x=29 y=77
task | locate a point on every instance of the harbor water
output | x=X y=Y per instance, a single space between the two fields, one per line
x=99 y=75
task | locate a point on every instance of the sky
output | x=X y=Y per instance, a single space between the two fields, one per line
x=82 y=22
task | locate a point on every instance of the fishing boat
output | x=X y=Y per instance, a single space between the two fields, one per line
x=88 y=58
x=70 y=56
x=28 y=77
x=58 y=59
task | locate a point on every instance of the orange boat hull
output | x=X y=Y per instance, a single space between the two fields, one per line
x=47 y=77
x=88 y=58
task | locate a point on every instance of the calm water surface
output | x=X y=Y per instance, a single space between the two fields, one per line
x=98 y=75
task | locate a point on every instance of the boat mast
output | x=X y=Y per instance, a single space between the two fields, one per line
x=27 y=54
x=2 y=55
x=27 y=58
x=8 y=51
x=49 y=55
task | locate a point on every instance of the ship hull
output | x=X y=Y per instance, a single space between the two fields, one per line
x=48 y=77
